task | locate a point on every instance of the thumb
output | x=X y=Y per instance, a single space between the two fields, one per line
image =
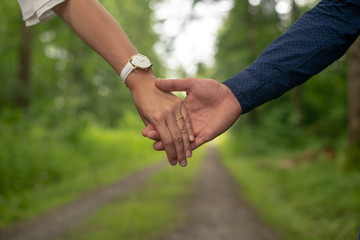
x=169 y=85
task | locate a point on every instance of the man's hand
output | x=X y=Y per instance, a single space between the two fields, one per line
x=212 y=108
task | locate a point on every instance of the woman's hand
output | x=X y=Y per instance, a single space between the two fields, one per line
x=166 y=113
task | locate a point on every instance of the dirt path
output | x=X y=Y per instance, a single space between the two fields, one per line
x=56 y=223
x=217 y=211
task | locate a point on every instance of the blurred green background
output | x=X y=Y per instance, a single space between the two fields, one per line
x=67 y=125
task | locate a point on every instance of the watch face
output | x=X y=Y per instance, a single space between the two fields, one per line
x=141 y=61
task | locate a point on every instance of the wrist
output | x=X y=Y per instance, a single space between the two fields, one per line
x=138 y=80
x=136 y=62
x=232 y=99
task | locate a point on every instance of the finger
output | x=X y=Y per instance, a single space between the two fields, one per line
x=178 y=140
x=188 y=123
x=150 y=132
x=153 y=135
x=147 y=129
x=158 y=146
x=169 y=85
x=168 y=143
x=187 y=131
x=185 y=135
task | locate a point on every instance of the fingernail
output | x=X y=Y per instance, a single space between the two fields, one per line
x=188 y=154
x=174 y=163
x=192 y=138
x=183 y=163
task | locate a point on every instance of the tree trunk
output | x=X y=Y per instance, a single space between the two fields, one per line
x=297 y=92
x=353 y=151
x=25 y=53
x=251 y=44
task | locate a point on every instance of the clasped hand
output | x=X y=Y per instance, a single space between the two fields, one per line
x=211 y=109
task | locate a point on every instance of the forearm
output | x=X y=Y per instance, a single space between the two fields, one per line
x=95 y=26
x=317 y=39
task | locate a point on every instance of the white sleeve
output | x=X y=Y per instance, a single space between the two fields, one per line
x=37 y=11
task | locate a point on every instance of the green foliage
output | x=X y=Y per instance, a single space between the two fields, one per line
x=303 y=196
x=57 y=164
x=352 y=161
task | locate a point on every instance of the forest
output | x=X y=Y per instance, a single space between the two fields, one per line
x=68 y=125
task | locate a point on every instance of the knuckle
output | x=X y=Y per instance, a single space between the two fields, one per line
x=178 y=139
x=160 y=117
x=167 y=111
x=184 y=129
x=157 y=117
x=167 y=143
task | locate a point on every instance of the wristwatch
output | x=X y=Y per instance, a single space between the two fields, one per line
x=137 y=61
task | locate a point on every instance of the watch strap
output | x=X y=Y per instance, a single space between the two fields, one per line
x=126 y=71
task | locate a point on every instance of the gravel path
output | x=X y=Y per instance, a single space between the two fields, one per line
x=217 y=211
x=54 y=224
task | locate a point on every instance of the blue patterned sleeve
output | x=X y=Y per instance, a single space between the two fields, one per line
x=314 y=41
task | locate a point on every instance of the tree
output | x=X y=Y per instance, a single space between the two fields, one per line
x=25 y=57
x=353 y=152
x=251 y=45
x=245 y=33
x=297 y=92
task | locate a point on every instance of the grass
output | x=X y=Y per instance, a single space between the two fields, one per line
x=303 y=195
x=42 y=168
x=145 y=214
